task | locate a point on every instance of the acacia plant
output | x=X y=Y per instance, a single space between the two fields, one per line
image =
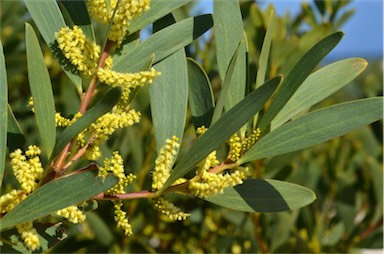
x=98 y=45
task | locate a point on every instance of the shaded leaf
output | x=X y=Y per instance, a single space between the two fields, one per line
x=201 y=100
x=58 y=194
x=228 y=124
x=266 y=196
x=318 y=86
x=298 y=74
x=316 y=127
x=15 y=137
x=41 y=89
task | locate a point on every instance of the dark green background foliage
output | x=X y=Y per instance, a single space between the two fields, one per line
x=346 y=173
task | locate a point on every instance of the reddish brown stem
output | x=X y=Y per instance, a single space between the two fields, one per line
x=131 y=195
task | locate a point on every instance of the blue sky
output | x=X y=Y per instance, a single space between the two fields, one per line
x=363 y=32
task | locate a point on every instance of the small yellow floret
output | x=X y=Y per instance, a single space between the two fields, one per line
x=121 y=218
x=81 y=52
x=29 y=235
x=169 y=209
x=164 y=163
x=234 y=148
x=73 y=214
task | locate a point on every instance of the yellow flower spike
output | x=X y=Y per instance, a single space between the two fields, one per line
x=27 y=172
x=164 y=163
x=201 y=130
x=251 y=139
x=212 y=184
x=234 y=148
x=29 y=235
x=11 y=200
x=121 y=218
x=73 y=214
x=115 y=166
x=169 y=209
x=81 y=52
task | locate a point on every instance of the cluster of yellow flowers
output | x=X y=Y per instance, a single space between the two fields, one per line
x=237 y=147
x=80 y=51
x=164 y=163
x=115 y=166
x=125 y=12
x=29 y=235
x=73 y=214
x=169 y=209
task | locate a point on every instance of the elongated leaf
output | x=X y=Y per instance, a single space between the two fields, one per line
x=266 y=196
x=298 y=74
x=228 y=31
x=56 y=195
x=316 y=127
x=169 y=98
x=79 y=15
x=319 y=86
x=201 y=100
x=3 y=112
x=158 y=9
x=48 y=18
x=225 y=93
x=228 y=124
x=164 y=43
x=103 y=106
x=15 y=137
x=41 y=90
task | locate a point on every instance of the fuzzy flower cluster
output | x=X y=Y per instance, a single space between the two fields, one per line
x=122 y=12
x=169 y=209
x=73 y=214
x=212 y=183
x=121 y=218
x=238 y=147
x=164 y=163
x=29 y=235
x=127 y=81
x=81 y=52
x=115 y=166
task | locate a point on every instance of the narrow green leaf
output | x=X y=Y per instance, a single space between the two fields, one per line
x=316 y=127
x=164 y=43
x=3 y=112
x=103 y=106
x=318 y=86
x=41 y=89
x=225 y=94
x=169 y=98
x=56 y=195
x=201 y=100
x=79 y=15
x=264 y=55
x=298 y=74
x=48 y=18
x=265 y=196
x=228 y=124
x=228 y=32
x=158 y=9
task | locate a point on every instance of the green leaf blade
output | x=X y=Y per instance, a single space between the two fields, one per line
x=169 y=98
x=3 y=112
x=228 y=124
x=41 y=89
x=316 y=127
x=56 y=195
x=164 y=43
x=266 y=196
x=319 y=86
x=298 y=74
